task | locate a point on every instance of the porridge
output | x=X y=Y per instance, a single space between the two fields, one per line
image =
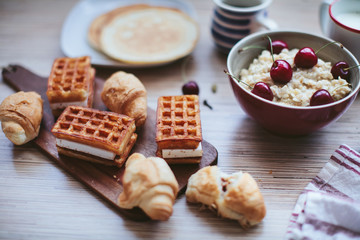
x=304 y=82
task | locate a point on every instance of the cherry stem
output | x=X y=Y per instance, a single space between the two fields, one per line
x=271 y=49
x=237 y=79
x=328 y=45
x=348 y=68
x=344 y=85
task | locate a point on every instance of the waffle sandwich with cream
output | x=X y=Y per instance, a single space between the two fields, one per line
x=71 y=82
x=94 y=135
x=178 y=129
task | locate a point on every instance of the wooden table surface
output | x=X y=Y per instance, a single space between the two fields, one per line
x=39 y=200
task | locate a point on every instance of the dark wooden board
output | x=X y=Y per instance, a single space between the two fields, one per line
x=104 y=180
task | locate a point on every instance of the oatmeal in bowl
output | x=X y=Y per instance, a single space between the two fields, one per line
x=289 y=107
x=303 y=84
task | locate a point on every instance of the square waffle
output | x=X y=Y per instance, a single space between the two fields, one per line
x=178 y=124
x=71 y=81
x=118 y=161
x=99 y=129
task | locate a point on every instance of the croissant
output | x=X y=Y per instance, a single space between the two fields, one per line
x=150 y=184
x=20 y=116
x=124 y=93
x=234 y=196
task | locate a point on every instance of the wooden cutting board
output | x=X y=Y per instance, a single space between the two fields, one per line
x=105 y=181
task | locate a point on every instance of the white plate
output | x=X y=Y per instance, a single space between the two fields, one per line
x=74 y=32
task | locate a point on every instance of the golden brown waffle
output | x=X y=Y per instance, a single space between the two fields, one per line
x=71 y=80
x=100 y=129
x=118 y=161
x=178 y=123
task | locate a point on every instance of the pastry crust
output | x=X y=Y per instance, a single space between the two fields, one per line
x=20 y=115
x=203 y=186
x=149 y=184
x=125 y=94
x=243 y=196
x=234 y=196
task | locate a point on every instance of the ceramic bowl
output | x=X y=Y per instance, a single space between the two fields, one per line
x=290 y=120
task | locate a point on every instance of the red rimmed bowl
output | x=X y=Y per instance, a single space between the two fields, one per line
x=283 y=119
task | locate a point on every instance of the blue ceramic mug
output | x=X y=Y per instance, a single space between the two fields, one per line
x=235 y=19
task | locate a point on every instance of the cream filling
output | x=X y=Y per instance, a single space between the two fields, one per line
x=182 y=153
x=85 y=149
x=62 y=105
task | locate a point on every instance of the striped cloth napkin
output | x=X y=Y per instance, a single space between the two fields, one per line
x=329 y=206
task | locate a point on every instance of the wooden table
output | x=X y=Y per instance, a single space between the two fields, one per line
x=39 y=200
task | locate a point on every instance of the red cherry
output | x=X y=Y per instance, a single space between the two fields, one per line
x=281 y=71
x=263 y=90
x=305 y=58
x=321 y=97
x=190 y=88
x=278 y=46
x=340 y=69
x=260 y=89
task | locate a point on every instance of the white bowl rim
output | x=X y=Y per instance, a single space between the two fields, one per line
x=234 y=50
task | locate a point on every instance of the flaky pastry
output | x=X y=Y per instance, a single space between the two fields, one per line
x=125 y=94
x=20 y=116
x=234 y=196
x=150 y=184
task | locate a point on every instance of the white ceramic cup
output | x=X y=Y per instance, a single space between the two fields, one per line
x=235 y=19
x=340 y=20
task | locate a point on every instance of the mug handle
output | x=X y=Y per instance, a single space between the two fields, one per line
x=265 y=22
x=269 y=24
x=324 y=15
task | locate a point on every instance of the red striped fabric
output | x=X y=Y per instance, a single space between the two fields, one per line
x=329 y=206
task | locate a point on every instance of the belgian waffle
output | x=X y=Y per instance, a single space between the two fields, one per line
x=178 y=124
x=118 y=161
x=99 y=129
x=71 y=80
